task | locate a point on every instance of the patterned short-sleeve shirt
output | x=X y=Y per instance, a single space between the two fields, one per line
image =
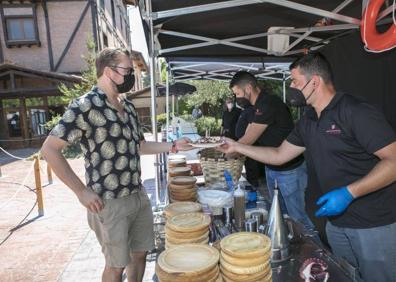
x=110 y=142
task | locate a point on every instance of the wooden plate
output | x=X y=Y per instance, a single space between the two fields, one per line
x=181 y=277
x=177 y=157
x=177 y=163
x=187 y=235
x=190 y=259
x=188 y=222
x=244 y=261
x=184 y=180
x=172 y=200
x=182 y=207
x=179 y=171
x=175 y=187
x=245 y=269
x=184 y=191
x=185 y=195
x=171 y=245
x=178 y=240
x=232 y=277
x=246 y=245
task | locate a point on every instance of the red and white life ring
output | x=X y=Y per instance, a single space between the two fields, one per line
x=371 y=37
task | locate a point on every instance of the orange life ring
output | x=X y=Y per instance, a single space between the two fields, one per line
x=371 y=38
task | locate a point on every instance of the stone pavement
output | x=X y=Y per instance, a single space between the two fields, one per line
x=58 y=246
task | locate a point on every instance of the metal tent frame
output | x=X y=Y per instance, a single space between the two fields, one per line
x=264 y=63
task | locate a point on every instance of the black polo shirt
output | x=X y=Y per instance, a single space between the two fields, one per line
x=270 y=110
x=230 y=119
x=244 y=119
x=341 y=146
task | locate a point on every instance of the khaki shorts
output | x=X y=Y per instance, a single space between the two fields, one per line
x=123 y=226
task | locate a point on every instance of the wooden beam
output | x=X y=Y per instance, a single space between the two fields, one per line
x=49 y=41
x=22 y=109
x=12 y=80
x=94 y=23
x=36 y=29
x=77 y=27
x=4 y=24
x=1 y=51
x=32 y=75
x=4 y=134
x=5 y=73
x=29 y=93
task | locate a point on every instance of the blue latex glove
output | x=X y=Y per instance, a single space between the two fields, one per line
x=336 y=202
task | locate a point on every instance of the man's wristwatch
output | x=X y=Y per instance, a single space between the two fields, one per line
x=173 y=149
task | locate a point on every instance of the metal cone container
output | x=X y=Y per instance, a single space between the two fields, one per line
x=278 y=231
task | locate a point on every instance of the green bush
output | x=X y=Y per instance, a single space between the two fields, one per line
x=161 y=119
x=186 y=117
x=208 y=123
x=54 y=121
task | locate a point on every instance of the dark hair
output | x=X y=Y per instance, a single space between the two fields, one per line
x=109 y=57
x=242 y=78
x=314 y=64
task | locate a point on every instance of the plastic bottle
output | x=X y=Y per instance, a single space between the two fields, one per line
x=178 y=130
x=228 y=179
x=239 y=208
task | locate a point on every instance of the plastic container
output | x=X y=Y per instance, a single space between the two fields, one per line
x=239 y=208
x=215 y=199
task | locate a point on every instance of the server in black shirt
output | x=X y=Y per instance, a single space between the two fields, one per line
x=230 y=118
x=254 y=169
x=353 y=150
x=272 y=123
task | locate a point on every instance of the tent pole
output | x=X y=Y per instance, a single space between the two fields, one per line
x=167 y=101
x=284 y=87
x=173 y=106
x=153 y=102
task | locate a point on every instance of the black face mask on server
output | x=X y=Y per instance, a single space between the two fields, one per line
x=296 y=98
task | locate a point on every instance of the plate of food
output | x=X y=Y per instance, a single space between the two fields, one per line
x=208 y=142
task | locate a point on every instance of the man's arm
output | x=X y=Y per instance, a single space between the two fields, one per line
x=252 y=133
x=383 y=174
x=52 y=153
x=269 y=155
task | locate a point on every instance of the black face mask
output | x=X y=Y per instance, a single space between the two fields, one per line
x=296 y=98
x=242 y=102
x=129 y=82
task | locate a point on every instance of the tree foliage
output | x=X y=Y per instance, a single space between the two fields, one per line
x=210 y=96
x=88 y=76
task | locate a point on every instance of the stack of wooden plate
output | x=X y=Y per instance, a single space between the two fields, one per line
x=172 y=157
x=181 y=207
x=245 y=257
x=188 y=262
x=177 y=163
x=179 y=171
x=182 y=188
x=187 y=228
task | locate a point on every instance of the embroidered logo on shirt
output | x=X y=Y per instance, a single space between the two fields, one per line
x=333 y=130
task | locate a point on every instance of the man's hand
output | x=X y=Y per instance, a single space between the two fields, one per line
x=336 y=202
x=90 y=200
x=183 y=144
x=229 y=147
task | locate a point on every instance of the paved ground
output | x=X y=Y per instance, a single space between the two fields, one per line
x=58 y=246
